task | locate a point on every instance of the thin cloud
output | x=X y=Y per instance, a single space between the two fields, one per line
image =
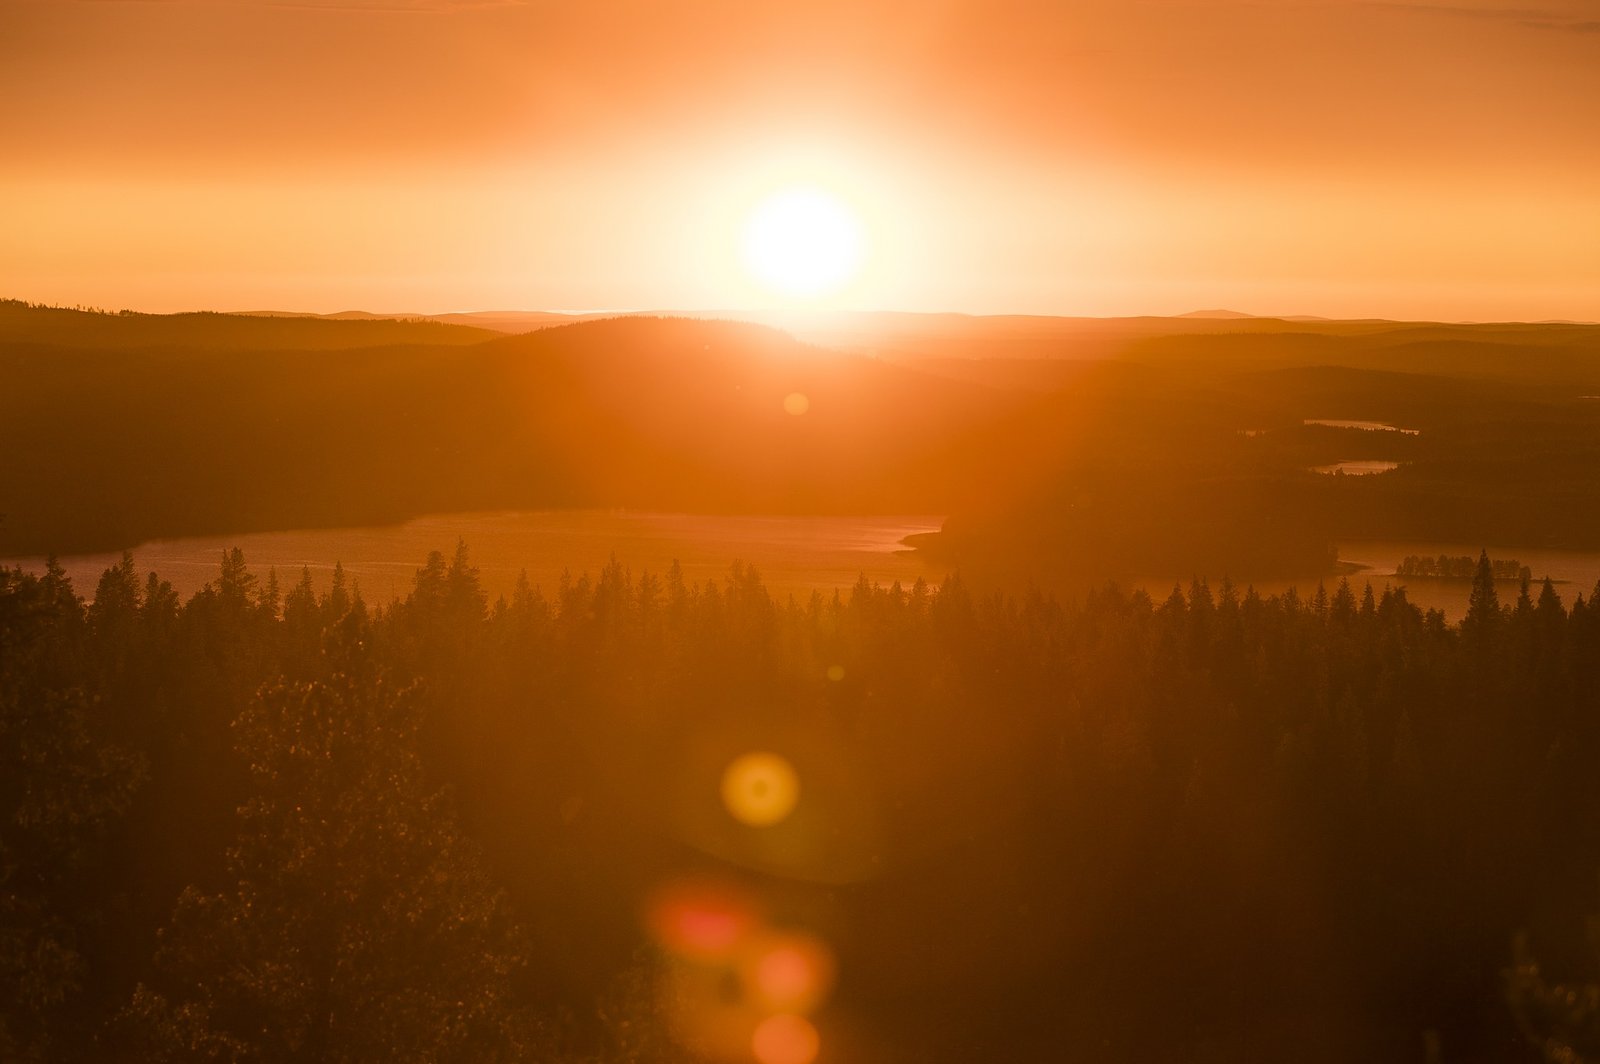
x=1528 y=17
x=425 y=6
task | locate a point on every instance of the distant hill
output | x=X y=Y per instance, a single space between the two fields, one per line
x=1216 y=314
x=1119 y=445
x=1235 y=315
x=640 y=412
x=22 y=323
x=500 y=321
x=1000 y=347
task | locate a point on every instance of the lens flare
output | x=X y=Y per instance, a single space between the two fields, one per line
x=796 y=403
x=760 y=789
x=785 y=1039
x=733 y=984
x=788 y=972
x=701 y=921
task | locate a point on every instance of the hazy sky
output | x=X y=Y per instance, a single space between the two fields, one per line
x=1342 y=158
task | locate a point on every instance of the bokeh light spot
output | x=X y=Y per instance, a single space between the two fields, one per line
x=785 y=1039
x=835 y=673
x=701 y=921
x=790 y=972
x=796 y=403
x=760 y=789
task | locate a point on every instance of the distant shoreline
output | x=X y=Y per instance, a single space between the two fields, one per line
x=1468 y=579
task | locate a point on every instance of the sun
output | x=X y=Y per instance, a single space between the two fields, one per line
x=802 y=243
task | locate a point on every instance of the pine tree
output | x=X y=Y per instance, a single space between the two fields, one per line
x=116 y=597
x=161 y=604
x=1483 y=617
x=463 y=594
x=114 y=618
x=236 y=584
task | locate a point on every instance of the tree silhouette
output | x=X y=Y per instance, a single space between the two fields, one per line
x=359 y=924
x=62 y=787
x=1483 y=618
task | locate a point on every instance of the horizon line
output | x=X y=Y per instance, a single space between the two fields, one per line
x=1208 y=314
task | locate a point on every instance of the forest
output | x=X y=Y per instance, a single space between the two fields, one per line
x=275 y=823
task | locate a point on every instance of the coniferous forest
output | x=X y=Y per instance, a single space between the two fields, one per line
x=272 y=823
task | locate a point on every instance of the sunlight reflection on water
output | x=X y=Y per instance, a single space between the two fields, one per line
x=1359 y=468
x=794 y=555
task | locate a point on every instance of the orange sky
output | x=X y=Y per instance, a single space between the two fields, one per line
x=1339 y=158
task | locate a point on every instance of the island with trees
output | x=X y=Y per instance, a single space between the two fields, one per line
x=1461 y=567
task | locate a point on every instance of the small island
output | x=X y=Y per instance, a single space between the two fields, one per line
x=1462 y=567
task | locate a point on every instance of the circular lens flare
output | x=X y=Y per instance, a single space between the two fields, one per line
x=701 y=921
x=785 y=1039
x=802 y=243
x=789 y=972
x=760 y=789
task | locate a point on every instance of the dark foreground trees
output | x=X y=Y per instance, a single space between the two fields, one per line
x=1562 y=1019
x=358 y=924
x=63 y=787
x=1217 y=827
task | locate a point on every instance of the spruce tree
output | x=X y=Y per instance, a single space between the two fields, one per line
x=1483 y=607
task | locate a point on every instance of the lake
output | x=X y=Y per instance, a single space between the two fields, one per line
x=794 y=555
x=1365 y=426
x=1357 y=468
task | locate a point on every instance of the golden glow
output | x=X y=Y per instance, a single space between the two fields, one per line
x=796 y=403
x=760 y=789
x=802 y=243
x=785 y=1039
x=976 y=170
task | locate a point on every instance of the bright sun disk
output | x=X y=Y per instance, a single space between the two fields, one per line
x=802 y=243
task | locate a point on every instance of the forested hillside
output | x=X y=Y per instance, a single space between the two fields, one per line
x=1192 y=447
x=127 y=331
x=639 y=412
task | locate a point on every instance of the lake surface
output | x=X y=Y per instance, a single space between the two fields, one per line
x=794 y=555
x=1362 y=468
x=1367 y=426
